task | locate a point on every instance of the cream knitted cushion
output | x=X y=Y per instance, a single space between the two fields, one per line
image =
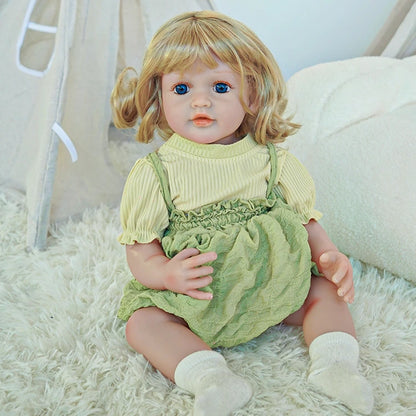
x=358 y=141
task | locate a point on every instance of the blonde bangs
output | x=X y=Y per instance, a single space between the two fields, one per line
x=180 y=42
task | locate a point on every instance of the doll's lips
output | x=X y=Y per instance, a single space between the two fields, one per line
x=202 y=120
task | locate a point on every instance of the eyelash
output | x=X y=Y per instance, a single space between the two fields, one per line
x=215 y=84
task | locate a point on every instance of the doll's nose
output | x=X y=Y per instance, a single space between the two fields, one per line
x=200 y=100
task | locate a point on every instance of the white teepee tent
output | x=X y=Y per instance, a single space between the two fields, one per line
x=59 y=62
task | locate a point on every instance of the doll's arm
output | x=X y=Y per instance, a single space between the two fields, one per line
x=185 y=273
x=334 y=265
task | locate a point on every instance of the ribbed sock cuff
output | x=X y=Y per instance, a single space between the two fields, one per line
x=193 y=366
x=335 y=347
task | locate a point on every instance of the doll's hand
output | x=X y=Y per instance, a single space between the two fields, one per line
x=336 y=267
x=186 y=273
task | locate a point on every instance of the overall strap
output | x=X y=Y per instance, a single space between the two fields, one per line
x=273 y=168
x=163 y=179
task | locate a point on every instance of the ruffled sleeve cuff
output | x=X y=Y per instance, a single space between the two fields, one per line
x=312 y=214
x=130 y=238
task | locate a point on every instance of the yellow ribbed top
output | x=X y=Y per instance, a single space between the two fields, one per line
x=201 y=174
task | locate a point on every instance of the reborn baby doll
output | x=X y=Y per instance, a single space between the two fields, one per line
x=219 y=224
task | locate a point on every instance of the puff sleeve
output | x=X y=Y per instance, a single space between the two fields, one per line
x=295 y=185
x=143 y=212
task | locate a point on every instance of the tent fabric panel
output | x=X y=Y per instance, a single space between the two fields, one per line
x=92 y=180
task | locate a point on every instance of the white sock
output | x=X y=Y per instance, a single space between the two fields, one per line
x=218 y=391
x=334 y=370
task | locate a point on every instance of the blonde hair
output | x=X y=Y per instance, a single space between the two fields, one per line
x=175 y=47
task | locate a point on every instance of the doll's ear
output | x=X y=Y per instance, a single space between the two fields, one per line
x=254 y=106
x=253 y=98
x=253 y=103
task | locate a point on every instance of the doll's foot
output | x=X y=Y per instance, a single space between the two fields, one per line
x=346 y=385
x=334 y=371
x=217 y=390
x=221 y=394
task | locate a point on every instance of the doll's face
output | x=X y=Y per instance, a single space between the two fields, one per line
x=203 y=104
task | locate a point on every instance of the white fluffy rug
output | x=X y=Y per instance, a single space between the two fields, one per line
x=63 y=350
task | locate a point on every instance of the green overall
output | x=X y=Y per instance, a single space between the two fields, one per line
x=262 y=273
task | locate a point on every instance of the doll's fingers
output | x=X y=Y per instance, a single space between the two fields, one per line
x=200 y=282
x=186 y=253
x=198 y=294
x=200 y=259
x=335 y=266
x=349 y=296
x=340 y=273
x=345 y=288
x=328 y=259
x=200 y=272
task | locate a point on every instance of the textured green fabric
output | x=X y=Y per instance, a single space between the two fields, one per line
x=261 y=275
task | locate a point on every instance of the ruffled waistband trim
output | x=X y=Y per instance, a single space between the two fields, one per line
x=221 y=214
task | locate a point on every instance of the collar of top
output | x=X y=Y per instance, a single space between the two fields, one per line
x=219 y=151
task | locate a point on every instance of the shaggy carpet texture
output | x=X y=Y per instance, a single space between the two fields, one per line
x=63 y=351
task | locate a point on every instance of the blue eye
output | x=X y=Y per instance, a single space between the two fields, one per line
x=181 y=89
x=221 y=87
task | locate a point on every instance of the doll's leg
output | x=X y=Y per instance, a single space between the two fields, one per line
x=323 y=311
x=164 y=339
x=329 y=332
x=179 y=354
